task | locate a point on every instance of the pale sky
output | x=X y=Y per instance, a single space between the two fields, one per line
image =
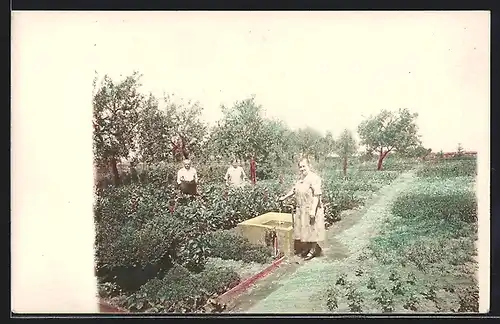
x=321 y=69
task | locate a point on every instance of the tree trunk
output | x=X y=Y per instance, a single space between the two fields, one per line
x=114 y=171
x=344 y=167
x=184 y=149
x=381 y=159
x=133 y=174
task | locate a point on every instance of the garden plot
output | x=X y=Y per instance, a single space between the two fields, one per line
x=424 y=258
x=148 y=240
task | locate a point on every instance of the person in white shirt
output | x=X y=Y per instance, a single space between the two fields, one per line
x=235 y=175
x=187 y=178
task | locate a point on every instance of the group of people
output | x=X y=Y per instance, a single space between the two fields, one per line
x=308 y=216
x=187 y=177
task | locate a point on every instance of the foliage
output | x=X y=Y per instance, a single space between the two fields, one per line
x=342 y=194
x=460 y=149
x=154 y=132
x=218 y=279
x=421 y=260
x=389 y=131
x=242 y=132
x=180 y=290
x=170 y=130
x=227 y=245
x=115 y=117
x=417 y=151
x=435 y=238
x=311 y=143
x=447 y=200
x=449 y=169
x=190 y=133
x=346 y=144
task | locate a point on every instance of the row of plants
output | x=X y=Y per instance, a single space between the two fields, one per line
x=456 y=167
x=146 y=229
x=166 y=173
x=178 y=290
x=424 y=259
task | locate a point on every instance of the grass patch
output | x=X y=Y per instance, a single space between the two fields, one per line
x=423 y=260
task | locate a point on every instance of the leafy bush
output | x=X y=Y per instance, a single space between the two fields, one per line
x=337 y=200
x=355 y=299
x=108 y=289
x=332 y=298
x=385 y=300
x=177 y=291
x=230 y=246
x=193 y=254
x=180 y=290
x=342 y=194
x=440 y=201
x=218 y=279
x=138 y=254
x=393 y=163
x=139 y=247
x=469 y=299
x=449 y=169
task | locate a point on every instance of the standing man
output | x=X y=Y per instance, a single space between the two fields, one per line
x=187 y=178
x=235 y=175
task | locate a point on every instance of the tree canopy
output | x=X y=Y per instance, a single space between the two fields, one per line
x=152 y=129
x=389 y=131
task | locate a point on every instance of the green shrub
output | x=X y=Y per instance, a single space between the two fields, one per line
x=469 y=299
x=333 y=296
x=337 y=200
x=385 y=300
x=162 y=174
x=194 y=253
x=139 y=247
x=177 y=291
x=448 y=169
x=218 y=279
x=456 y=205
x=180 y=290
x=230 y=246
x=392 y=163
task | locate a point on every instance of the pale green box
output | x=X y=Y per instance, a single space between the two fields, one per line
x=256 y=229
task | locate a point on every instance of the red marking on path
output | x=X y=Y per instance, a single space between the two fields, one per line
x=244 y=285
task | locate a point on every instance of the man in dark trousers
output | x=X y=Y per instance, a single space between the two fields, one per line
x=187 y=178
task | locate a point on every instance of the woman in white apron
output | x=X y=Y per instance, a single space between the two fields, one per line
x=309 y=215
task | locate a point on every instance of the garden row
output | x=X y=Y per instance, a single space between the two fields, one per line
x=424 y=259
x=148 y=236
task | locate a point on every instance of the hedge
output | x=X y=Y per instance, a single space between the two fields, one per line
x=449 y=169
x=447 y=200
x=180 y=290
x=231 y=246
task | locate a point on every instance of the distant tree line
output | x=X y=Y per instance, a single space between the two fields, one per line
x=144 y=128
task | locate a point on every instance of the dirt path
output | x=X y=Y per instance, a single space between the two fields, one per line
x=297 y=286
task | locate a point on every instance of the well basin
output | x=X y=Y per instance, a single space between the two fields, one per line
x=258 y=228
